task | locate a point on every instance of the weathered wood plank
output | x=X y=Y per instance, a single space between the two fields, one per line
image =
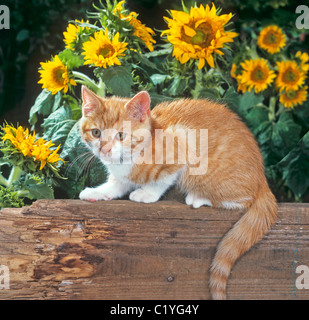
x=69 y=249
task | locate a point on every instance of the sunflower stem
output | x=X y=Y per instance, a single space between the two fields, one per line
x=86 y=81
x=3 y=181
x=23 y=193
x=272 y=106
x=281 y=110
x=101 y=92
x=14 y=175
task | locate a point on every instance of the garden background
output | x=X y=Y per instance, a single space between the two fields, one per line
x=36 y=34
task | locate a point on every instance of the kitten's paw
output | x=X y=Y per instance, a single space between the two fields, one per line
x=196 y=202
x=141 y=195
x=97 y=194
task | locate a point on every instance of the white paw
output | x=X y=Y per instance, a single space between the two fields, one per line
x=141 y=195
x=103 y=192
x=196 y=202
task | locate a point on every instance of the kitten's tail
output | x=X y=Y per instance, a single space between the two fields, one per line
x=245 y=233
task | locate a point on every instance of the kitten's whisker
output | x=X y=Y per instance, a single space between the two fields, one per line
x=85 y=166
x=75 y=160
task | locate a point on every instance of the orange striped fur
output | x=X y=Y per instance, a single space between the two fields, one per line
x=234 y=174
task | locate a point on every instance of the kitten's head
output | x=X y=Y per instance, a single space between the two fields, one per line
x=115 y=128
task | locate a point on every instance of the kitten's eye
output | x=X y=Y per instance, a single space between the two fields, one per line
x=96 y=133
x=120 y=136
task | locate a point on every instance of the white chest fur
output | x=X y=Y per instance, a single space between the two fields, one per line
x=120 y=171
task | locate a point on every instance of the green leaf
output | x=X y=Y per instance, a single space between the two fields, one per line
x=75 y=106
x=177 y=87
x=44 y=104
x=87 y=25
x=286 y=134
x=158 y=79
x=231 y=98
x=38 y=190
x=58 y=125
x=158 y=98
x=118 y=80
x=264 y=137
x=9 y=198
x=208 y=93
x=295 y=167
x=146 y=62
x=247 y=101
x=255 y=117
x=81 y=168
x=301 y=114
x=71 y=59
x=23 y=35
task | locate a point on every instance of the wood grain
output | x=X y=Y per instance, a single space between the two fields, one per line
x=69 y=249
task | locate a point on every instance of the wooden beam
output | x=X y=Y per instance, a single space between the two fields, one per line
x=69 y=249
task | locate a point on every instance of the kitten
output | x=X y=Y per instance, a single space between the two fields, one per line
x=228 y=173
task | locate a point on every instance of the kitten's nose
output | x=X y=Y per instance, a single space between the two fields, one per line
x=106 y=149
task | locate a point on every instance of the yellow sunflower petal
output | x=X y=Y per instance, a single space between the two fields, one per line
x=101 y=51
x=256 y=75
x=271 y=39
x=55 y=76
x=200 y=33
x=291 y=98
x=290 y=75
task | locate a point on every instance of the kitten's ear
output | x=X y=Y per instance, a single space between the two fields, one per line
x=90 y=101
x=139 y=106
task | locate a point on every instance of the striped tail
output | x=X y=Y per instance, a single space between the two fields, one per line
x=244 y=234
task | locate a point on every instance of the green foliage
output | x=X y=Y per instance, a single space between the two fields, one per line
x=44 y=105
x=9 y=198
x=82 y=168
x=33 y=28
x=118 y=80
x=282 y=134
x=284 y=142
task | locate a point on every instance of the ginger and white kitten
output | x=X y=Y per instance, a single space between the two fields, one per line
x=123 y=134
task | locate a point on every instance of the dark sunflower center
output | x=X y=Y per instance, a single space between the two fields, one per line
x=291 y=94
x=258 y=74
x=106 y=51
x=204 y=35
x=59 y=75
x=199 y=38
x=271 y=38
x=289 y=76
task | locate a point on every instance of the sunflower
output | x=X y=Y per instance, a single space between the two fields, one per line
x=291 y=98
x=20 y=138
x=55 y=76
x=304 y=58
x=143 y=32
x=198 y=34
x=238 y=77
x=103 y=52
x=140 y=30
x=271 y=39
x=71 y=34
x=233 y=71
x=242 y=87
x=290 y=76
x=43 y=153
x=28 y=146
x=256 y=74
